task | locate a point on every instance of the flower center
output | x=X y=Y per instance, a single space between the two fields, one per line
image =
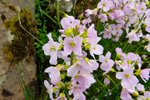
x=76 y=76
x=94 y=47
x=72 y=44
x=142 y=8
x=104 y=4
x=127 y=75
x=116 y=28
x=147 y=99
x=52 y=48
x=106 y=60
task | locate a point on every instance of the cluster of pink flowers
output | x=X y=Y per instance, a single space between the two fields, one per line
x=79 y=41
x=77 y=66
x=128 y=68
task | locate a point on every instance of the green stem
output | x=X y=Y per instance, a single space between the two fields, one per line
x=139 y=22
x=58 y=18
x=141 y=97
x=72 y=55
x=125 y=45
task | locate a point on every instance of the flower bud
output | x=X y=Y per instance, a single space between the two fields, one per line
x=136 y=93
x=60 y=47
x=88 y=46
x=85 y=40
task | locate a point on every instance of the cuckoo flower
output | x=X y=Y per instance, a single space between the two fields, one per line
x=128 y=79
x=132 y=36
x=51 y=49
x=76 y=89
x=125 y=95
x=107 y=63
x=72 y=44
x=103 y=17
x=79 y=96
x=85 y=79
x=106 y=5
x=140 y=87
x=147 y=47
x=145 y=74
x=92 y=64
x=79 y=66
x=54 y=73
x=106 y=81
x=96 y=48
x=92 y=33
x=116 y=29
x=107 y=34
x=61 y=98
x=145 y=97
x=49 y=89
x=69 y=22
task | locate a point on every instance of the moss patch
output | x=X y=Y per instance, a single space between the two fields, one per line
x=22 y=45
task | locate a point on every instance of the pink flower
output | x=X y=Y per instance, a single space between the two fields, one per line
x=106 y=5
x=107 y=63
x=140 y=87
x=54 y=74
x=84 y=79
x=107 y=34
x=128 y=80
x=88 y=12
x=78 y=66
x=147 y=13
x=72 y=44
x=116 y=29
x=119 y=14
x=92 y=64
x=79 y=96
x=141 y=7
x=106 y=81
x=69 y=21
x=132 y=36
x=92 y=33
x=125 y=95
x=49 y=89
x=146 y=96
x=147 y=36
x=96 y=48
x=51 y=49
x=145 y=74
x=76 y=89
x=61 y=98
x=148 y=47
x=103 y=17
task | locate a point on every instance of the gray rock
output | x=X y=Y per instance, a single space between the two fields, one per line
x=10 y=86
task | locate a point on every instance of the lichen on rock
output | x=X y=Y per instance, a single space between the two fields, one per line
x=23 y=43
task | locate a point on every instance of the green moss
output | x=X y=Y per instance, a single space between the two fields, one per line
x=22 y=45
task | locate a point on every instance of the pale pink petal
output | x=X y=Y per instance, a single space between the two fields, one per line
x=119 y=75
x=47 y=85
x=53 y=59
x=72 y=70
x=108 y=55
x=101 y=58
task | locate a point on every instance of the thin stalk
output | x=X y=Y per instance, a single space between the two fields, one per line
x=139 y=22
x=27 y=30
x=72 y=55
x=48 y=16
x=58 y=17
